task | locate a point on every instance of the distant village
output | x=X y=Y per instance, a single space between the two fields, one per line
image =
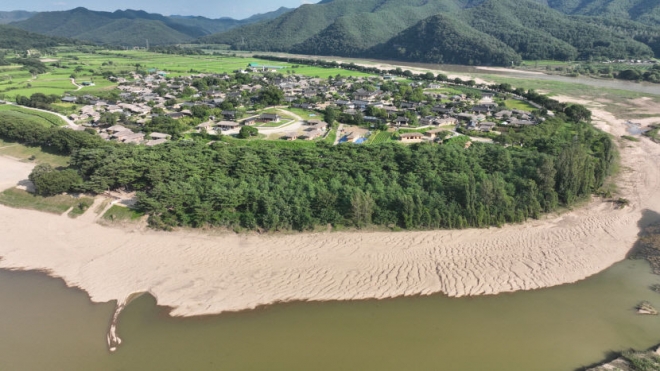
x=148 y=106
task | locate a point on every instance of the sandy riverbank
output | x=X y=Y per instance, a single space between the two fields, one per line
x=196 y=274
x=511 y=70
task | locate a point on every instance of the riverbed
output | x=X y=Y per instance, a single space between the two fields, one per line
x=48 y=326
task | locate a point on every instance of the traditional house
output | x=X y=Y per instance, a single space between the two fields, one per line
x=316 y=124
x=503 y=114
x=311 y=135
x=407 y=137
x=249 y=121
x=433 y=134
x=486 y=126
x=290 y=136
x=446 y=121
x=176 y=115
x=229 y=115
x=157 y=136
x=206 y=125
x=269 y=117
x=362 y=94
x=227 y=125
x=465 y=117
x=401 y=121
x=116 y=129
x=481 y=109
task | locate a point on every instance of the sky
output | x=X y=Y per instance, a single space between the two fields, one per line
x=211 y=9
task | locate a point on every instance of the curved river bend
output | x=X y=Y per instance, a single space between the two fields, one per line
x=46 y=325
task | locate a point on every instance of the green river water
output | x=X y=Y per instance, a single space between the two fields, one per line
x=47 y=326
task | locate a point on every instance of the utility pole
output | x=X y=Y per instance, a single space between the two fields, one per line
x=147 y=44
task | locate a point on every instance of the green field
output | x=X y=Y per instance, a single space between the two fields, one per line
x=40 y=117
x=306 y=114
x=32 y=153
x=519 y=105
x=122 y=214
x=21 y=199
x=380 y=137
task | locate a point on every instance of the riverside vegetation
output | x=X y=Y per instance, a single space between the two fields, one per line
x=267 y=187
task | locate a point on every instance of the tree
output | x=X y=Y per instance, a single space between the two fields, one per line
x=362 y=208
x=577 y=113
x=199 y=111
x=331 y=115
x=51 y=183
x=248 y=131
x=39 y=170
x=271 y=96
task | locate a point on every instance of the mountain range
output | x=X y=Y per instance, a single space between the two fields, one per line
x=131 y=27
x=488 y=32
x=459 y=31
x=15 y=16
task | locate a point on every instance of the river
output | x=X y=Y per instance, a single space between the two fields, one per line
x=48 y=326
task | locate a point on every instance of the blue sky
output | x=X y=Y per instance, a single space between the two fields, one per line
x=238 y=9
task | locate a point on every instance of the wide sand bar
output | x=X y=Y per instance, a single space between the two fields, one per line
x=196 y=273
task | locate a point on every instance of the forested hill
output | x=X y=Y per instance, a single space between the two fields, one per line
x=645 y=11
x=504 y=31
x=15 y=16
x=485 y=32
x=444 y=39
x=335 y=27
x=131 y=27
x=15 y=39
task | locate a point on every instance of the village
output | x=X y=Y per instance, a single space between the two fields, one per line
x=276 y=104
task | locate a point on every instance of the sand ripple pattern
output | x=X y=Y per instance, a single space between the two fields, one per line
x=198 y=274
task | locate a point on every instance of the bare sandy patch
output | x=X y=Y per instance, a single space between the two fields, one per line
x=13 y=172
x=502 y=69
x=646 y=105
x=583 y=101
x=450 y=75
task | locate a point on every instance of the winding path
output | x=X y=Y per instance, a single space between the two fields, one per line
x=70 y=124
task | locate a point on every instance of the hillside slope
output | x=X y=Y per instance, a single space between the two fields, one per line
x=482 y=31
x=15 y=16
x=13 y=38
x=645 y=11
x=444 y=39
x=536 y=32
x=335 y=26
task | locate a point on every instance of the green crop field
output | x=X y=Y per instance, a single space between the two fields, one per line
x=306 y=114
x=380 y=137
x=519 y=105
x=40 y=117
